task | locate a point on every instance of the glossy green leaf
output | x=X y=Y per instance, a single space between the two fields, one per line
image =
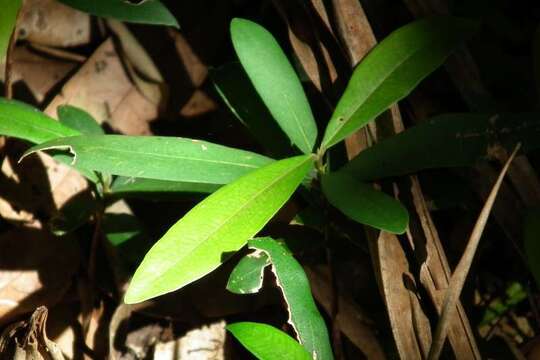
x=79 y=120
x=163 y=158
x=144 y=12
x=532 y=242
x=449 y=140
x=218 y=226
x=8 y=18
x=392 y=70
x=362 y=203
x=247 y=276
x=28 y=123
x=238 y=93
x=276 y=82
x=267 y=343
x=304 y=316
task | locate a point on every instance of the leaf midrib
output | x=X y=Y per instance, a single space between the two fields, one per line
x=228 y=219
x=158 y=155
x=373 y=91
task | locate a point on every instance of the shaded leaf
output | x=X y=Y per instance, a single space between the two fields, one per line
x=164 y=158
x=219 y=225
x=448 y=140
x=145 y=12
x=276 y=82
x=304 y=316
x=28 y=123
x=392 y=70
x=265 y=341
x=247 y=276
x=362 y=203
x=8 y=19
x=240 y=96
x=532 y=242
x=78 y=119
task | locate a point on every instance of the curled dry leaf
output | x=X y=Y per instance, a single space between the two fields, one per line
x=36 y=269
x=27 y=340
x=104 y=89
x=48 y=22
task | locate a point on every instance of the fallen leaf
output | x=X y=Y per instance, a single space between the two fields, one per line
x=49 y=22
x=104 y=89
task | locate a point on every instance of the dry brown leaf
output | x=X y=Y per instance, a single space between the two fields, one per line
x=314 y=57
x=459 y=276
x=40 y=73
x=49 y=22
x=102 y=88
x=36 y=269
x=397 y=287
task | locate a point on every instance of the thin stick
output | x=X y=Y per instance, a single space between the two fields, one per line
x=462 y=270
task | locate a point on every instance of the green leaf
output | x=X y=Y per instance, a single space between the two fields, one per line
x=219 y=225
x=140 y=187
x=449 y=140
x=267 y=343
x=238 y=93
x=362 y=203
x=247 y=276
x=8 y=19
x=276 y=82
x=79 y=120
x=25 y=122
x=163 y=158
x=392 y=70
x=145 y=12
x=304 y=316
x=532 y=242
x=28 y=123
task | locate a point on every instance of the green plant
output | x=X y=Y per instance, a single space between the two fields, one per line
x=247 y=189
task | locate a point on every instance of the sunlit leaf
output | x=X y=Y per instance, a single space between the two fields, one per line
x=144 y=12
x=163 y=158
x=217 y=227
x=304 y=316
x=362 y=203
x=276 y=82
x=25 y=122
x=267 y=343
x=392 y=70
